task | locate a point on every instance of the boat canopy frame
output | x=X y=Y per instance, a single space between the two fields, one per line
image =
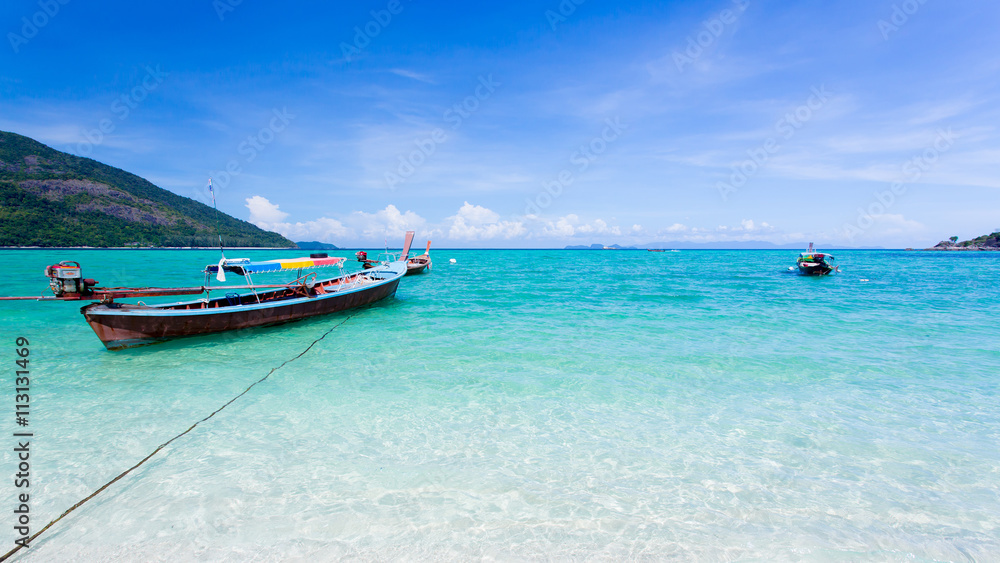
x=245 y=267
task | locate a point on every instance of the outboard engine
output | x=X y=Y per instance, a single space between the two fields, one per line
x=65 y=280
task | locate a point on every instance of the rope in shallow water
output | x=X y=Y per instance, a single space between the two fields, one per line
x=167 y=443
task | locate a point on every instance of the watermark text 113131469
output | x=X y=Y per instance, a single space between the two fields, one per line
x=22 y=452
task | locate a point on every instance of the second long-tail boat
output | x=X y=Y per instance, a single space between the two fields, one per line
x=418 y=264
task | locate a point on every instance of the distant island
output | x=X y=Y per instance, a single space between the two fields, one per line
x=601 y=247
x=990 y=242
x=315 y=245
x=724 y=245
x=49 y=198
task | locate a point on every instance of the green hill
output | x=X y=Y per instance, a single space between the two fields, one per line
x=51 y=198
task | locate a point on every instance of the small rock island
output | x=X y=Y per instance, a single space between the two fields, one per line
x=985 y=242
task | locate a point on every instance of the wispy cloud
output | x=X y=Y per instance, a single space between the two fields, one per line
x=411 y=74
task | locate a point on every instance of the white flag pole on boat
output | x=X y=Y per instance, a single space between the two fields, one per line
x=212 y=191
x=221 y=276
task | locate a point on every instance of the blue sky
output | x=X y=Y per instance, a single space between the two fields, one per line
x=532 y=124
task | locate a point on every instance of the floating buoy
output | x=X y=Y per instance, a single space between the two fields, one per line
x=453 y=261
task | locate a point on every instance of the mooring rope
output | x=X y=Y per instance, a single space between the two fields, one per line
x=167 y=443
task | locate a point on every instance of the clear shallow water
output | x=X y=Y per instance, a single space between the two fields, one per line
x=535 y=404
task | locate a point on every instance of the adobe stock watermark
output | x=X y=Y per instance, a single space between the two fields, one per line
x=249 y=149
x=704 y=39
x=456 y=116
x=364 y=35
x=582 y=158
x=566 y=8
x=900 y=16
x=913 y=169
x=30 y=27
x=122 y=108
x=786 y=127
x=223 y=7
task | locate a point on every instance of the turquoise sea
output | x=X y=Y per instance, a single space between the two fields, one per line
x=557 y=405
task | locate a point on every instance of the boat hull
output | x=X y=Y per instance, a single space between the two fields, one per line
x=417 y=265
x=812 y=263
x=121 y=326
x=815 y=269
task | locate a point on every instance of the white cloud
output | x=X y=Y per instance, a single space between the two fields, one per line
x=474 y=222
x=388 y=222
x=748 y=226
x=359 y=226
x=748 y=229
x=570 y=225
x=562 y=227
x=267 y=216
x=477 y=215
x=323 y=229
x=263 y=211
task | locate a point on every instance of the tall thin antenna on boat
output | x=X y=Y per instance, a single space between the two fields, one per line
x=217 y=231
x=221 y=276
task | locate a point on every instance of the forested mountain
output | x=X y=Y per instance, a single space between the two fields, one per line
x=51 y=198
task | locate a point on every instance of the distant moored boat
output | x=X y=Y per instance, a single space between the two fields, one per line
x=812 y=263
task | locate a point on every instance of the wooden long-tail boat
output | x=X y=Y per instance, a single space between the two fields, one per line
x=418 y=264
x=121 y=325
x=812 y=263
